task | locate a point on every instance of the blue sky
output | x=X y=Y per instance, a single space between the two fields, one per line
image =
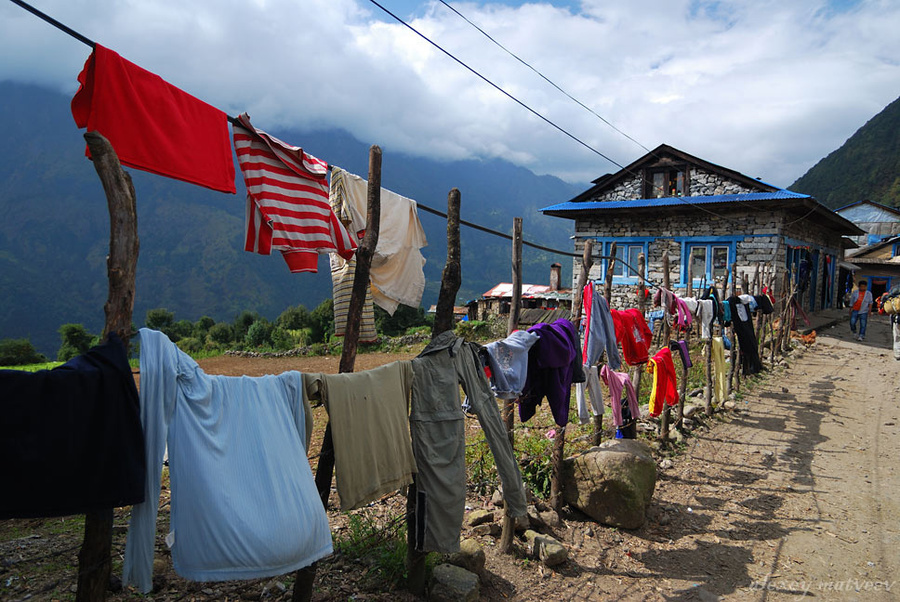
x=766 y=87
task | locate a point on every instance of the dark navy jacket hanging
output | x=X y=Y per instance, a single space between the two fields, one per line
x=71 y=438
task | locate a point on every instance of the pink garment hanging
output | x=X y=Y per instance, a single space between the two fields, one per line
x=616 y=381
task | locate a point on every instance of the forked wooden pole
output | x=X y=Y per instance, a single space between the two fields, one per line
x=94 y=561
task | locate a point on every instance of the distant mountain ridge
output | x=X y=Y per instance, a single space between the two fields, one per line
x=54 y=228
x=865 y=168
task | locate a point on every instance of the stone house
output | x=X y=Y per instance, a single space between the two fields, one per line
x=879 y=221
x=538 y=301
x=878 y=264
x=669 y=201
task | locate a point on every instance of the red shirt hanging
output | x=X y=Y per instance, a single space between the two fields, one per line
x=151 y=124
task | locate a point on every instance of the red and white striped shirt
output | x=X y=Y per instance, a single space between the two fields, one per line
x=287 y=201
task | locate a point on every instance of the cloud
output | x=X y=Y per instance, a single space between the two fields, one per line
x=761 y=86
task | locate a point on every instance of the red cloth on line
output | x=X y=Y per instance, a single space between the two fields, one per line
x=151 y=124
x=633 y=334
x=288 y=208
x=665 y=389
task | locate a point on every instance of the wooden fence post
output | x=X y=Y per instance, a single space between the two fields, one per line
x=514 y=311
x=94 y=561
x=587 y=260
x=508 y=530
x=642 y=304
x=451 y=278
x=304 y=578
x=667 y=331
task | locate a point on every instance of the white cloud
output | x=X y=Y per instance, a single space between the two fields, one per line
x=761 y=86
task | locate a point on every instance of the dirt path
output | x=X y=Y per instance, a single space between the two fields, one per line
x=796 y=495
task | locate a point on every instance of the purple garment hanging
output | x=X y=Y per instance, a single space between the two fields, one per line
x=551 y=370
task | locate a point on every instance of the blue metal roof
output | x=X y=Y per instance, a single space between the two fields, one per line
x=673 y=201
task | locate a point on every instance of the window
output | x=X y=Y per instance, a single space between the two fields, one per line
x=626 y=252
x=665 y=182
x=896 y=250
x=709 y=260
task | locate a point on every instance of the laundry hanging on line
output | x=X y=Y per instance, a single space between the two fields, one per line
x=287 y=201
x=369 y=416
x=71 y=440
x=508 y=363
x=240 y=435
x=664 y=390
x=553 y=365
x=437 y=426
x=151 y=124
x=396 y=273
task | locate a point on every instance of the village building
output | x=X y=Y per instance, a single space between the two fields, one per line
x=671 y=202
x=540 y=302
x=877 y=260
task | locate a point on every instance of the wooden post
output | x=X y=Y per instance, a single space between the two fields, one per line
x=451 y=279
x=732 y=274
x=587 y=260
x=607 y=294
x=509 y=531
x=514 y=311
x=664 y=422
x=94 y=561
x=303 y=582
x=682 y=390
x=642 y=304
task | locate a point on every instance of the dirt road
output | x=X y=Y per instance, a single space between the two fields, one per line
x=795 y=496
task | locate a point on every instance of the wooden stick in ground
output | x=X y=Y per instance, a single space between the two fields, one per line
x=587 y=261
x=514 y=310
x=509 y=531
x=305 y=577
x=664 y=421
x=451 y=279
x=642 y=305
x=94 y=560
x=729 y=381
x=607 y=294
x=689 y=292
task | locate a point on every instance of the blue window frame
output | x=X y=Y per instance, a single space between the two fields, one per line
x=627 y=251
x=896 y=250
x=709 y=258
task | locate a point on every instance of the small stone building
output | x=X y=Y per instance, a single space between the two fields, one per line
x=671 y=202
x=537 y=301
x=879 y=221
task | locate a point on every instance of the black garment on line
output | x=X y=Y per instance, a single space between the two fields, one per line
x=764 y=304
x=746 y=336
x=70 y=438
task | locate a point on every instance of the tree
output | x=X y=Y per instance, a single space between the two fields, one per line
x=403 y=319
x=242 y=323
x=159 y=319
x=259 y=334
x=75 y=341
x=321 y=321
x=18 y=352
x=221 y=334
x=294 y=317
x=201 y=328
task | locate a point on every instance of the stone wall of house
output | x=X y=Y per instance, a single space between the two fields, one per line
x=706 y=183
x=625 y=190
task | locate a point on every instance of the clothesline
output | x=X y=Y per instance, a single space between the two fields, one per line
x=236 y=122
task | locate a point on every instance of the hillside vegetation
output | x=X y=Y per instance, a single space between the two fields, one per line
x=865 y=168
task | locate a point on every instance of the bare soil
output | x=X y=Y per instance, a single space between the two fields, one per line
x=793 y=494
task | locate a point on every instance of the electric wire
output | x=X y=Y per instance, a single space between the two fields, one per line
x=542 y=76
x=84 y=39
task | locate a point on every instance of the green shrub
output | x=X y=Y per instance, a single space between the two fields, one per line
x=190 y=345
x=381 y=547
x=535 y=463
x=221 y=334
x=259 y=334
x=75 y=341
x=474 y=330
x=18 y=352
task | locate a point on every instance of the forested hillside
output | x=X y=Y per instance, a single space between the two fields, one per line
x=54 y=228
x=865 y=167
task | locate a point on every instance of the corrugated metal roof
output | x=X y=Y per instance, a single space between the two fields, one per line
x=529 y=291
x=674 y=201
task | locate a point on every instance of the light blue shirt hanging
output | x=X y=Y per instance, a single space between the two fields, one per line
x=244 y=504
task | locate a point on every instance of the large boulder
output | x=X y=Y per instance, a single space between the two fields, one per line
x=612 y=483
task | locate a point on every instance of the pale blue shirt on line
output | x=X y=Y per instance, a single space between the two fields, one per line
x=244 y=504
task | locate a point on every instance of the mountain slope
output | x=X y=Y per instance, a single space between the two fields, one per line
x=54 y=228
x=865 y=167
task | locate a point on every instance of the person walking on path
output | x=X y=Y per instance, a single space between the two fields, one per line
x=860 y=304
